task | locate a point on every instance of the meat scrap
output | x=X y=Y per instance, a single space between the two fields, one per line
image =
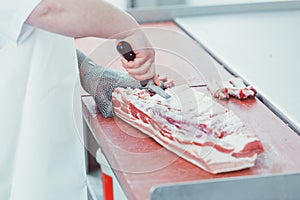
x=232 y=88
x=191 y=125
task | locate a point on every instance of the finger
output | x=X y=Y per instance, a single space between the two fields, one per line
x=149 y=75
x=139 y=62
x=133 y=64
x=169 y=84
x=163 y=78
x=127 y=64
x=156 y=80
x=141 y=70
x=141 y=53
x=124 y=61
x=142 y=58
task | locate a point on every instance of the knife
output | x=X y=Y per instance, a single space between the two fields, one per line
x=124 y=48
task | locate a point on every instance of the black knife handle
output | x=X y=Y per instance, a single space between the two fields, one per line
x=126 y=51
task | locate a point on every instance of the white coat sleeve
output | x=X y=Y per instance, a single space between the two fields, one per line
x=13 y=14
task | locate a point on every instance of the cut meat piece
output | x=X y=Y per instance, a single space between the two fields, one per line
x=234 y=87
x=191 y=125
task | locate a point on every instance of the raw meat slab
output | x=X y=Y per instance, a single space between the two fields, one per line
x=192 y=125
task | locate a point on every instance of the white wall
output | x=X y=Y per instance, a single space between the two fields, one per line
x=216 y=2
x=123 y=4
x=119 y=3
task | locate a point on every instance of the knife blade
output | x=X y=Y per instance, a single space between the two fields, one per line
x=125 y=49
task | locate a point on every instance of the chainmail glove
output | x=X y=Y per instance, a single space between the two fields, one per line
x=100 y=82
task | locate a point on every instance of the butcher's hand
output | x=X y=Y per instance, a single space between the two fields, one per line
x=142 y=67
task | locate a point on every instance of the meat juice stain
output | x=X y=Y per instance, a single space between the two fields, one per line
x=242 y=95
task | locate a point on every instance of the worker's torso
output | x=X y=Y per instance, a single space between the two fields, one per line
x=41 y=153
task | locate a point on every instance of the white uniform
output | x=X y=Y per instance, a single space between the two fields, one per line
x=41 y=150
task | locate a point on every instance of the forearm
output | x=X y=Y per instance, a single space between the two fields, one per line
x=82 y=18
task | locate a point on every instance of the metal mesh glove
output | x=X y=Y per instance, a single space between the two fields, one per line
x=100 y=82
